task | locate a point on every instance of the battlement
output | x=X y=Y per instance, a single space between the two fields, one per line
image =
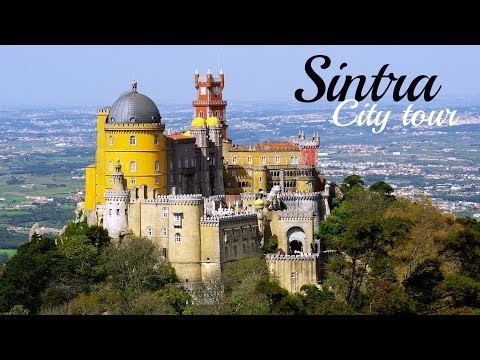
x=297 y=257
x=217 y=219
x=296 y=215
x=104 y=111
x=181 y=199
x=247 y=196
x=301 y=196
x=146 y=126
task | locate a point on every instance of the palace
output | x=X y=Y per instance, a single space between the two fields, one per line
x=203 y=199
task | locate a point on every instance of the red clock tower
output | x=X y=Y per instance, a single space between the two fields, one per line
x=209 y=98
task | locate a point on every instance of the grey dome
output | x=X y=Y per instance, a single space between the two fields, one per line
x=135 y=108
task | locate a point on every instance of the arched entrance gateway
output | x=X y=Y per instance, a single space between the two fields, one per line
x=296 y=240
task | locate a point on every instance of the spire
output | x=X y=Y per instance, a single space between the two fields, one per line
x=134 y=85
x=196 y=71
x=221 y=71
x=209 y=71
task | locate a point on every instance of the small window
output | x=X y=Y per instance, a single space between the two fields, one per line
x=252 y=247
x=178 y=238
x=126 y=212
x=235 y=251
x=155 y=140
x=293 y=160
x=192 y=162
x=149 y=231
x=234 y=159
x=177 y=220
x=217 y=114
x=179 y=163
x=170 y=164
x=293 y=274
x=249 y=159
x=157 y=165
x=164 y=232
x=133 y=140
x=109 y=211
x=132 y=119
x=235 y=234
x=264 y=159
x=133 y=166
x=165 y=213
x=234 y=173
x=201 y=113
x=110 y=140
x=157 y=180
x=260 y=179
x=133 y=181
x=111 y=180
x=277 y=159
x=110 y=166
x=118 y=211
x=164 y=252
x=185 y=163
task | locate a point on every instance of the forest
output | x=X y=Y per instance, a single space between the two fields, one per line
x=387 y=256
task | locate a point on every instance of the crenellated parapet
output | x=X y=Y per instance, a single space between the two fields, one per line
x=181 y=199
x=296 y=215
x=217 y=220
x=301 y=196
x=297 y=257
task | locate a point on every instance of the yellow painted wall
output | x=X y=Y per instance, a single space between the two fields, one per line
x=242 y=157
x=90 y=186
x=113 y=144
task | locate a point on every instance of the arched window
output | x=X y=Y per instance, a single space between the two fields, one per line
x=157 y=165
x=178 y=238
x=164 y=232
x=244 y=249
x=133 y=140
x=133 y=166
x=179 y=163
x=165 y=212
x=149 y=231
x=226 y=253
x=110 y=166
x=277 y=159
x=249 y=159
x=155 y=140
x=133 y=181
x=252 y=247
x=201 y=113
x=110 y=140
x=157 y=179
x=185 y=163
x=234 y=159
x=264 y=159
x=192 y=162
x=217 y=114
x=235 y=250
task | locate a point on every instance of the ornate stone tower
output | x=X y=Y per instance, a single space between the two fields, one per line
x=115 y=218
x=209 y=99
x=308 y=148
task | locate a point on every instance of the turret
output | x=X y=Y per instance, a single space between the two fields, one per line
x=115 y=218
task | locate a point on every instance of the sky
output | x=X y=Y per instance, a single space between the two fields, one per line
x=96 y=75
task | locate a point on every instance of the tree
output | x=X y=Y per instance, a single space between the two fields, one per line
x=98 y=236
x=28 y=273
x=273 y=293
x=271 y=245
x=382 y=188
x=136 y=265
x=351 y=182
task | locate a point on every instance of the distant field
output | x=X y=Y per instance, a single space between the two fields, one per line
x=9 y=252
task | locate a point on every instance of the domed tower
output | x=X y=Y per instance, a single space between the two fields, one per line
x=115 y=214
x=132 y=132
